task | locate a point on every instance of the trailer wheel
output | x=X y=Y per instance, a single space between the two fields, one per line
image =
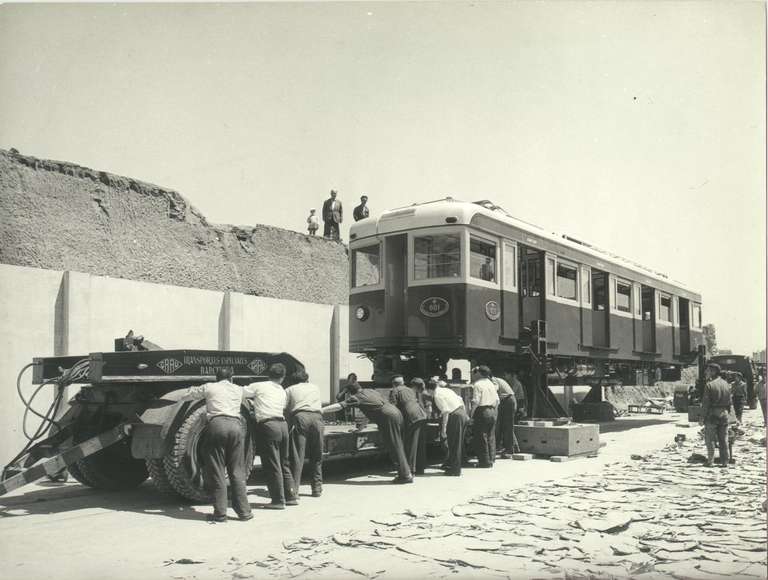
x=159 y=478
x=183 y=464
x=111 y=469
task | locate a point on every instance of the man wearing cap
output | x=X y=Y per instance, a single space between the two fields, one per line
x=361 y=211
x=414 y=417
x=485 y=401
x=304 y=410
x=453 y=422
x=332 y=217
x=223 y=445
x=388 y=419
x=715 y=403
x=269 y=401
x=738 y=395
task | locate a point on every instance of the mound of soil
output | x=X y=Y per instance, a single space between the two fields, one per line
x=62 y=216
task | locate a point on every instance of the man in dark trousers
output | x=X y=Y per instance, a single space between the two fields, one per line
x=272 y=433
x=304 y=411
x=405 y=399
x=738 y=395
x=485 y=401
x=223 y=445
x=388 y=419
x=715 y=404
x=505 y=422
x=332 y=217
x=453 y=422
x=361 y=211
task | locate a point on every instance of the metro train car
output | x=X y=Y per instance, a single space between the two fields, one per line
x=449 y=279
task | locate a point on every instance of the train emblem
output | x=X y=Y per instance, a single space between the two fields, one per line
x=434 y=307
x=492 y=310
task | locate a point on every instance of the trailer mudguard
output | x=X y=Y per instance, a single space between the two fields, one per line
x=150 y=438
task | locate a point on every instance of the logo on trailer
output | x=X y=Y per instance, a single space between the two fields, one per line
x=433 y=307
x=492 y=310
x=257 y=366
x=169 y=365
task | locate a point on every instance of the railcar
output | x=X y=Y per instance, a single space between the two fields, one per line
x=450 y=279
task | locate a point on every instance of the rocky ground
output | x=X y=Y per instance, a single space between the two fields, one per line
x=659 y=515
x=62 y=216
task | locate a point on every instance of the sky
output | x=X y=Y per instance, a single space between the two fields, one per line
x=636 y=126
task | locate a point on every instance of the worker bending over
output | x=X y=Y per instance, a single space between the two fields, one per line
x=388 y=419
x=304 y=411
x=453 y=422
x=414 y=419
x=485 y=400
x=223 y=445
x=269 y=401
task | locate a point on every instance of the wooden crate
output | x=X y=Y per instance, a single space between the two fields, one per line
x=566 y=440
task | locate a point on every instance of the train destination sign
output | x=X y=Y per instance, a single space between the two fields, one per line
x=434 y=307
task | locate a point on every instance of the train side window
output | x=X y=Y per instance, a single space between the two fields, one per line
x=696 y=320
x=623 y=296
x=510 y=266
x=437 y=256
x=599 y=290
x=482 y=259
x=586 y=285
x=366 y=264
x=566 y=281
x=665 y=308
x=550 y=276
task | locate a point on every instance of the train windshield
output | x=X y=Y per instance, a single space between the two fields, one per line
x=366 y=264
x=437 y=256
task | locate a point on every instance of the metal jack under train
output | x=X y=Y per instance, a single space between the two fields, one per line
x=129 y=421
x=454 y=280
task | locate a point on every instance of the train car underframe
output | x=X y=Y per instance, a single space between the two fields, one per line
x=536 y=372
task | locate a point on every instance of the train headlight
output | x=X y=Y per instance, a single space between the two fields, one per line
x=361 y=313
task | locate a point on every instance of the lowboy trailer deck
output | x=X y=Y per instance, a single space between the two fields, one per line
x=129 y=420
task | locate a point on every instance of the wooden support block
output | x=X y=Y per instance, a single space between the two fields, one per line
x=543 y=424
x=522 y=456
x=558 y=458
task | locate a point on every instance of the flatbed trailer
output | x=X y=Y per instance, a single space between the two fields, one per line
x=129 y=420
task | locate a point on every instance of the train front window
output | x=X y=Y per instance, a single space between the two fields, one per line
x=482 y=259
x=623 y=296
x=566 y=281
x=366 y=263
x=437 y=256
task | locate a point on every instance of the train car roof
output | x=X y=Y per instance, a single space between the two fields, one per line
x=434 y=213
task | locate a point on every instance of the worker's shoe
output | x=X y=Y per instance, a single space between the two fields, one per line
x=732 y=461
x=401 y=480
x=317 y=491
x=452 y=472
x=275 y=505
x=504 y=455
x=292 y=501
x=214 y=519
x=709 y=463
x=245 y=517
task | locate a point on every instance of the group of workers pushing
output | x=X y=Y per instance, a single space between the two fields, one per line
x=289 y=429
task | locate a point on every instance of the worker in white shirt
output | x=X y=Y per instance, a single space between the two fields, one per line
x=304 y=411
x=453 y=422
x=485 y=400
x=269 y=400
x=223 y=445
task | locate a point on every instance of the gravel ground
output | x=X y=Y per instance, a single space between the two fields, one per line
x=61 y=216
x=657 y=516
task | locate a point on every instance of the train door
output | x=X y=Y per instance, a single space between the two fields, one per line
x=531 y=285
x=600 y=320
x=684 y=307
x=395 y=281
x=648 y=303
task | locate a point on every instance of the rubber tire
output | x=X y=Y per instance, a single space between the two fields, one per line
x=156 y=469
x=111 y=469
x=186 y=441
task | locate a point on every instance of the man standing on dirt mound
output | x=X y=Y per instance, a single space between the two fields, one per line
x=332 y=217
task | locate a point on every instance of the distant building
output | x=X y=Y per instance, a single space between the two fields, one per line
x=759 y=356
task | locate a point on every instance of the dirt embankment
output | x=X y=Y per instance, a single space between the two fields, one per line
x=62 y=216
